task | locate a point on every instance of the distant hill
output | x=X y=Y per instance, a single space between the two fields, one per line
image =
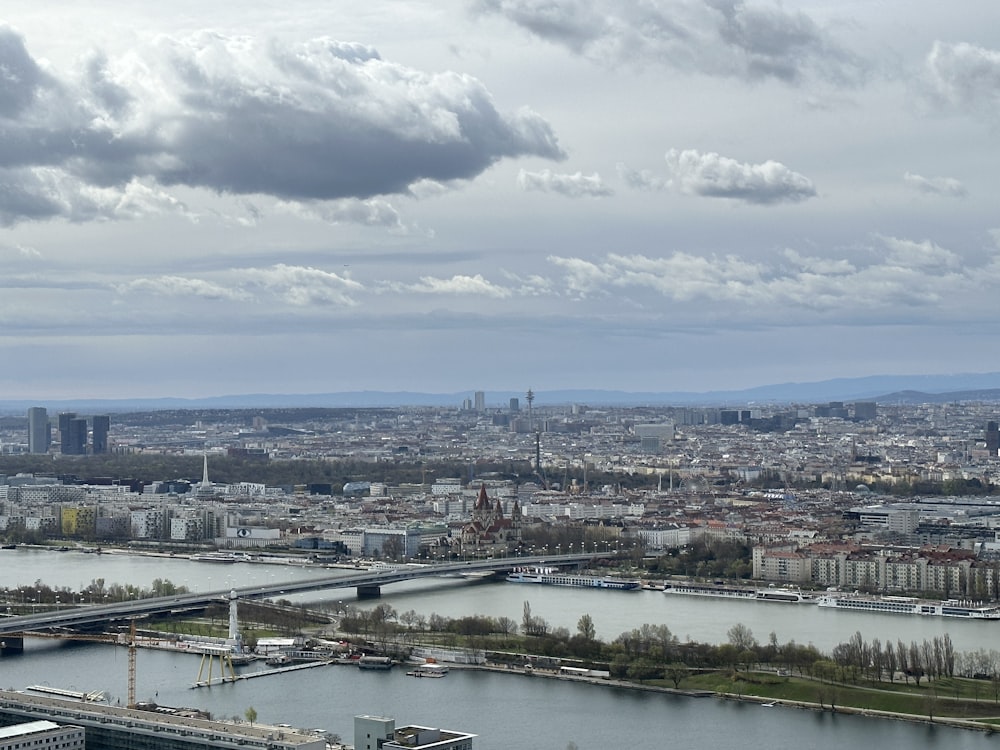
x=919 y=397
x=903 y=389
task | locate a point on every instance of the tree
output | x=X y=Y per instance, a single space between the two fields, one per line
x=251 y=714
x=676 y=673
x=392 y=548
x=506 y=626
x=741 y=637
x=585 y=627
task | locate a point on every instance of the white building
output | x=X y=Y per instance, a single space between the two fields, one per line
x=375 y=732
x=42 y=735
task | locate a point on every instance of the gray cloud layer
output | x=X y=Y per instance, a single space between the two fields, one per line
x=728 y=38
x=319 y=120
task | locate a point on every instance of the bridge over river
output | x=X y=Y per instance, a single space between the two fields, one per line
x=368 y=584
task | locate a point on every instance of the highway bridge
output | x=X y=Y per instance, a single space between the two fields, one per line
x=368 y=584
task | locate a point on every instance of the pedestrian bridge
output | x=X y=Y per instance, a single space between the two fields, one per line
x=368 y=583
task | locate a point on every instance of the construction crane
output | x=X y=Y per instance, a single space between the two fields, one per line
x=131 y=664
x=107 y=638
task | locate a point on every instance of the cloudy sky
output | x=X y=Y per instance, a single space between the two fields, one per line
x=311 y=196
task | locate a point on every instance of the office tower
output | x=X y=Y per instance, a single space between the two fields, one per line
x=480 y=401
x=102 y=424
x=39 y=430
x=865 y=411
x=992 y=438
x=64 y=420
x=729 y=416
x=72 y=434
x=515 y=405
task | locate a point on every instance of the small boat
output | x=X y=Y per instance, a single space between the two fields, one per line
x=428 y=669
x=375 y=662
x=278 y=660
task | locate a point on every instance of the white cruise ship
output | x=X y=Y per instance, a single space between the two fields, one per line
x=906 y=605
x=553 y=577
x=779 y=595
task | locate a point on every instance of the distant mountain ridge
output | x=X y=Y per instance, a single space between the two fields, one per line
x=882 y=388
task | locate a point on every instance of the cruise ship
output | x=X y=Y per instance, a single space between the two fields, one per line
x=781 y=596
x=552 y=577
x=906 y=605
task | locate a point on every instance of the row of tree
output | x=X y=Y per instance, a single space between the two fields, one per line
x=96 y=592
x=653 y=651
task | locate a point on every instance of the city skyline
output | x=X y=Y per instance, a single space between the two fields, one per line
x=314 y=197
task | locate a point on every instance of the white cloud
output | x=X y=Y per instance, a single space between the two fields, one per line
x=642 y=179
x=715 y=176
x=179 y=286
x=371 y=212
x=456 y=285
x=296 y=286
x=825 y=266
x=922 y=255
x=301 y=286
x=711 y=291
x=577 y=185
x=965 y=77
x=936 y=185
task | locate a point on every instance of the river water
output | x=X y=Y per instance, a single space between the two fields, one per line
x=507 y=711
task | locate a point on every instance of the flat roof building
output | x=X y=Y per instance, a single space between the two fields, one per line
x=379 y=732
x=42 y=735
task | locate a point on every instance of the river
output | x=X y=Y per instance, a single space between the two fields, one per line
x=507 y=711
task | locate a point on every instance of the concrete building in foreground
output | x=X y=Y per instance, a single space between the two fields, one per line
x=111 y=728
x=381 y=733
x=42 y=735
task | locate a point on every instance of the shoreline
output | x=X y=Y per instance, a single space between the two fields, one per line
x=765 y=702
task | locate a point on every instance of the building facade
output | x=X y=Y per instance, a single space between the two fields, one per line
x=39 y=430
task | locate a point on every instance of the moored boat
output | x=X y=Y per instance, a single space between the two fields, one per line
x=778 y=595
x=553 y=577
x=375 y=662
x=428 y=669
x=907 y=605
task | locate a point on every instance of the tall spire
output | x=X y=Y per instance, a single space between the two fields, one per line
x=204 y=472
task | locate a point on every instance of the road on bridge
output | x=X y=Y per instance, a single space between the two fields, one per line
x=90 y=614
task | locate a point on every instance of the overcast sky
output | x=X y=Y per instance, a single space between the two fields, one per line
x=213 y=198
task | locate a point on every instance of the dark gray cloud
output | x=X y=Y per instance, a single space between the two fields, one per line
x=23 y=196
x=20 y=76
x=316 y=121
x=716 y=37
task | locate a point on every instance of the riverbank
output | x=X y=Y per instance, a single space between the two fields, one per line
x=986 y=724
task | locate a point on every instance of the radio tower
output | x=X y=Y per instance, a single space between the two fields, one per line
x=529 y=397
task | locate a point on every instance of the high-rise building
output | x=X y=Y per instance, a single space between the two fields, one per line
x=515 y=405
x=101 y=426
x=865 y=411
x=72 y=434
x=480 y=401
x=64 y=420
x=992 y=438
x=39 y=430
